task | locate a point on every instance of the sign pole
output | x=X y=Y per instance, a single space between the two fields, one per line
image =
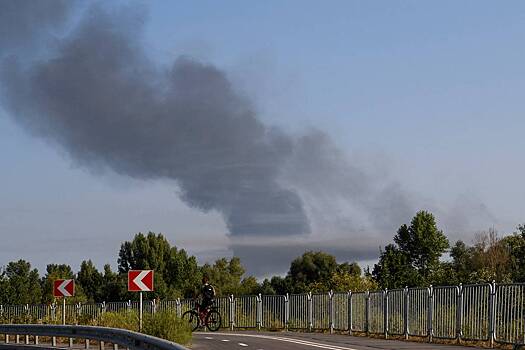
x=140 y=313
x=63 y=310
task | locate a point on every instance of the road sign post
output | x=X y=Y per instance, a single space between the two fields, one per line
x=62 y=289
x=140 y=281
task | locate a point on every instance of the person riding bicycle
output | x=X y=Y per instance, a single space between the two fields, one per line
x=207 y=293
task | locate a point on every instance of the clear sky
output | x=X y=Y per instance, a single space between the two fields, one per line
x=427 y=94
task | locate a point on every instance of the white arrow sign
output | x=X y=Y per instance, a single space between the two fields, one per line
x=138 y=280
x=63 y=288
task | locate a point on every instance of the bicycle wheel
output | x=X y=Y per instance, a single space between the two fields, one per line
x=192 y=318
x=213 y=320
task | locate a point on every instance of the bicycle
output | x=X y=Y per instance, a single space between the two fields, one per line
x=209 y=318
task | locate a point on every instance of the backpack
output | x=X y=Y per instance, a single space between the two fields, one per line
x=208 y=292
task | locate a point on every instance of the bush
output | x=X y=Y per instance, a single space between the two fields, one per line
x=163 y=324
x=125 y=319
x=167 y=325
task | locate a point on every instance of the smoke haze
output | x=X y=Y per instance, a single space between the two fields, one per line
x=99 y=97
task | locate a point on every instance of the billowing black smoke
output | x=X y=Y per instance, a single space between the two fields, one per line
x=102 y=100
x=97 y=95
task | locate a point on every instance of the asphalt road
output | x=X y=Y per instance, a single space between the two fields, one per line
x=296 y=341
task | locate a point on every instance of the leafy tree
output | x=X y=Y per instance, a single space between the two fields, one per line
x=311 y=267
x=394 y=269
x=59 y=271
x=515 y=245
x=265 y=288
x=225 y=275
x=20 y=284
x=176 y=273
x=422 y=242
x=91 y=281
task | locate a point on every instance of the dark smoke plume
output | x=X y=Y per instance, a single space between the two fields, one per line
x=99 y=97
x=102 y=100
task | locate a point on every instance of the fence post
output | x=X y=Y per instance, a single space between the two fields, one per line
x=53 y=311
x=258 y=315
x=232 y=312
x=154 y=306
x=459 y=313
x=310 y=312
x=286 y=310
x=331 y=311
x=178 y=307
x=350 y=312
x=79 y=312
x=492 y=313
x=430 y=316
x=405 y=312
x=367 y=313
x=103 y=307
x=385 y=312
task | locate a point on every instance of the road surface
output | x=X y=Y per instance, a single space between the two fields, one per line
x=303 y=341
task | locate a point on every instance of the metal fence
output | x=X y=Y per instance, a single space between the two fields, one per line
x=485 y=312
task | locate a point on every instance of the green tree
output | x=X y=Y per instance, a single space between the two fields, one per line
x=311 y=267
x=176 y=273
x=515 y=245
x=91 y=281
x=20 y=284
x=394 y=269
x=59 y=271
x=225 y=275
x=422 y=242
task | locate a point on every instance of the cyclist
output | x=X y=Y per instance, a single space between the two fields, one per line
x=207 y=293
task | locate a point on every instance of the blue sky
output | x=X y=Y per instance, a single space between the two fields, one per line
x=428 y=94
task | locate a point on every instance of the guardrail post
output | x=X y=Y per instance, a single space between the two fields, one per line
x=459 y=312
x=26 y=339
x=367 y=313
x=101 y=345
x=350 y=312
x=17 y=337
x=258 y=315
x=492 y=313
x=430 y=316
x=36 y=340
x=405 y=316
x=70 y=342
x=385 y=312
x=331 y=310
x=86 y=344
x=232 y=312
x=310 y=312
x=54 y=342
x=7 y=338
x=286 y=311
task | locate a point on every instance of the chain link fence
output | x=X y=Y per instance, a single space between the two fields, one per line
x=484 y=312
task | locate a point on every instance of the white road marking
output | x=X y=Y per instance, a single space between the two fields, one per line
x=208 y=337
x=288 y=340
x=242 y=344
x=225 y=340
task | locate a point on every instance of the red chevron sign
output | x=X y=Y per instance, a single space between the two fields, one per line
x=140 y=280
x=64 y=288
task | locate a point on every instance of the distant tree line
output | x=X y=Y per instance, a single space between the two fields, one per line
x=415 y=258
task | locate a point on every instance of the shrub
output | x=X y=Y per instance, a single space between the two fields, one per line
x=125 y=319
x=167 y=325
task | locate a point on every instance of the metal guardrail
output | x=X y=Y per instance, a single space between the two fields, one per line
x=481 y=312
x=121 y=337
